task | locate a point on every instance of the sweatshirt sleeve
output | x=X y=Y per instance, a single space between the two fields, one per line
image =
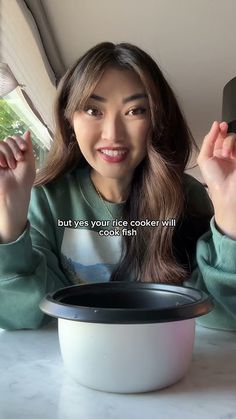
x=216 y=275
x=30 y=268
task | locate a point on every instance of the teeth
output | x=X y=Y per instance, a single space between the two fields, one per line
x=113 y=153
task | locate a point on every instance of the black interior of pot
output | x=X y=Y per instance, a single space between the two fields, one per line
x=123 y=299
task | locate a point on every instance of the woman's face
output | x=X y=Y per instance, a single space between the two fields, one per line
x=113 y=129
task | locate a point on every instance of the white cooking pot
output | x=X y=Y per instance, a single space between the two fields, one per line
x=126 y=337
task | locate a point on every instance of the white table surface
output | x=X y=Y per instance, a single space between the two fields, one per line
x=34 y=385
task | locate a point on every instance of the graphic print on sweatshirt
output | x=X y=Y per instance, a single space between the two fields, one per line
x=88 y=257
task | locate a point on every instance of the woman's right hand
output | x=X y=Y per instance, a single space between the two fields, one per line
x=17 y=174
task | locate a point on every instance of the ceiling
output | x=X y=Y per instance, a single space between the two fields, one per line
x=193 y=42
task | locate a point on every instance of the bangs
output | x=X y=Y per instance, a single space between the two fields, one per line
x=82 y=86
x=153 y=93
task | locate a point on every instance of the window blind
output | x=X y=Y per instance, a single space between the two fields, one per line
x=22 y=51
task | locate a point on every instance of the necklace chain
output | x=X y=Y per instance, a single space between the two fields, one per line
x=104 y=203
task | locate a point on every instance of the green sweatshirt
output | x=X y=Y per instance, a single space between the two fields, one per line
x=70 y=239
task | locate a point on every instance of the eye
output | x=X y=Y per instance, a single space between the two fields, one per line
x=136 y=111
x=92 y=111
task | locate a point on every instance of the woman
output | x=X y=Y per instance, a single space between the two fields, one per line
x=118 y=158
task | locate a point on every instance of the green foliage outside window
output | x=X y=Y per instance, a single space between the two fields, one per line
x=11 y=124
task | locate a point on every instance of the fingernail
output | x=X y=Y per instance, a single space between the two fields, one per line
x=22 y=146
x=19 y=156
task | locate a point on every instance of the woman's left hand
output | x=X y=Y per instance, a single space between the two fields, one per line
x=217 y=161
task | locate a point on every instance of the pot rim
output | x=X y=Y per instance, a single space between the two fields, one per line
x=198 y=304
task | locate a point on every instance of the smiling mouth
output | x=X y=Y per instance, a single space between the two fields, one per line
x=113 y=153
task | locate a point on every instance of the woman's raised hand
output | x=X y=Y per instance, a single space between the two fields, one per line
x=17 y=174
x=217 y=161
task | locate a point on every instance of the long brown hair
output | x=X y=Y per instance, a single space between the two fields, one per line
x=157 y=185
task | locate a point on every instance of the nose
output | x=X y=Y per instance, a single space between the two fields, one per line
x=113 y=128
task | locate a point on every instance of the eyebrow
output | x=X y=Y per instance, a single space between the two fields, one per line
x=125 y=100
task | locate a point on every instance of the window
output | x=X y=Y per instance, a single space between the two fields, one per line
x=16 y=117
x=27 y=82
